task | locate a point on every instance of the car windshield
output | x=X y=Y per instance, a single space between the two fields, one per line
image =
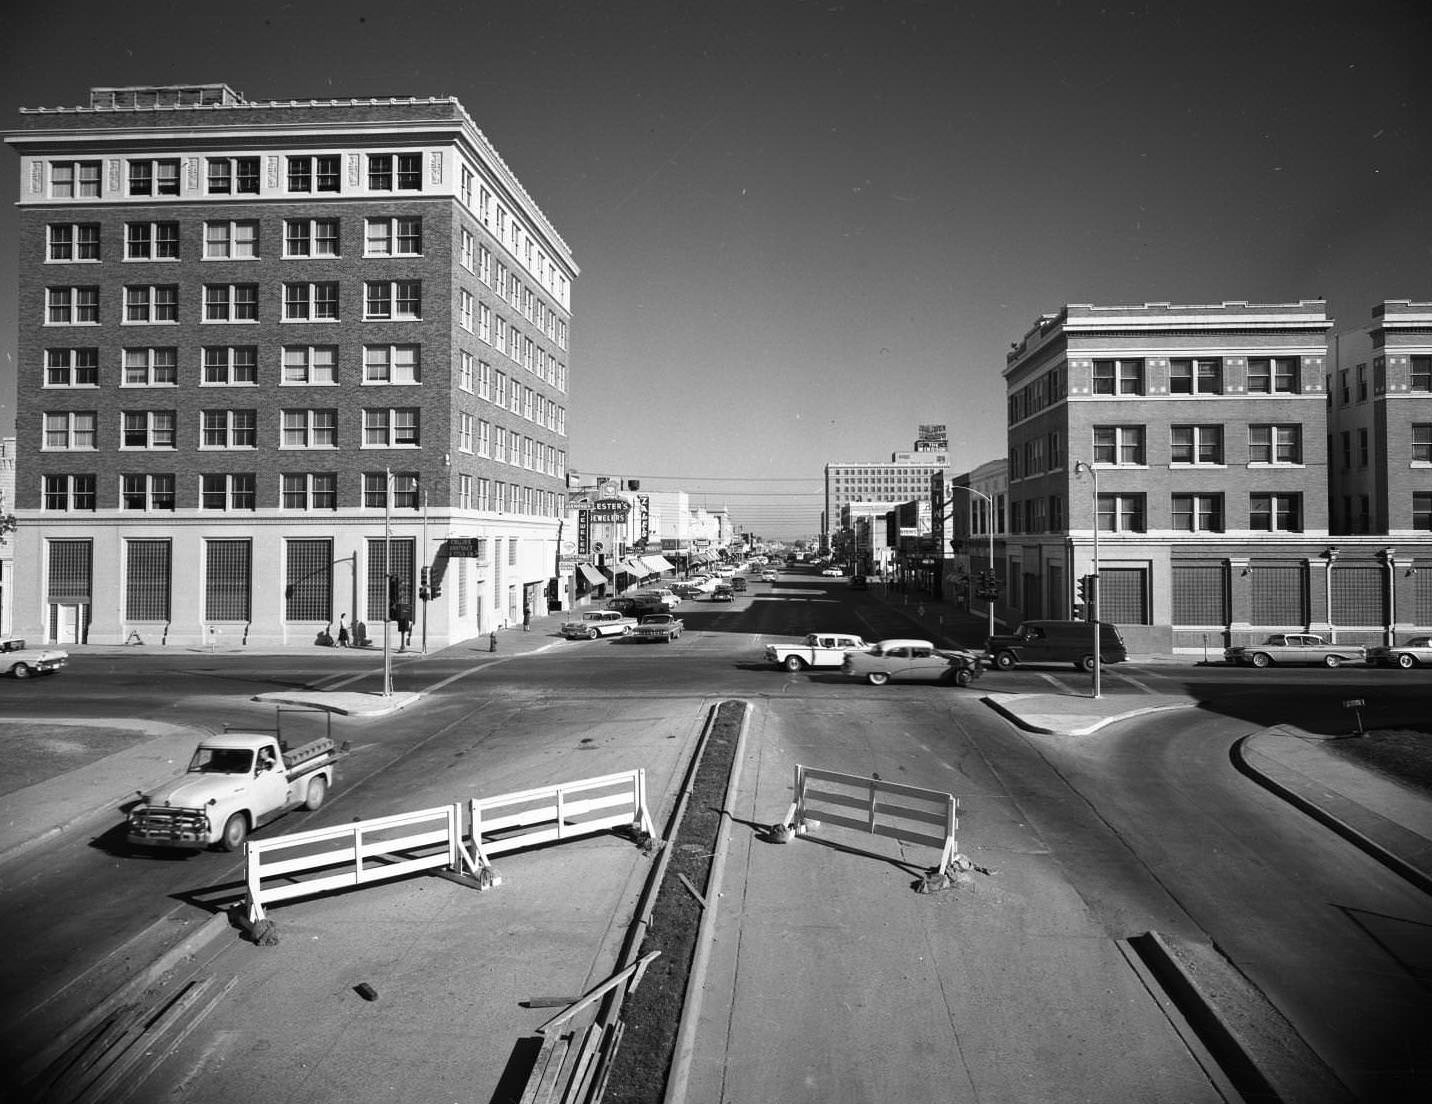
x=222 y=760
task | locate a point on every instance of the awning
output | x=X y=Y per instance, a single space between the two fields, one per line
x=591 y=574
x=656 y=565
x=631 y=568
x=662 y=563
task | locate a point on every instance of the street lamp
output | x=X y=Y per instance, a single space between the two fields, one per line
x=1079 y=468
x=989 y=529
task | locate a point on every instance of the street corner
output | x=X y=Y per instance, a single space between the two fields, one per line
x=1071 y=715
x=344 y=703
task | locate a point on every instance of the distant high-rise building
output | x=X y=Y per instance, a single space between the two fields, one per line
x=905 y=477
x=282 y=362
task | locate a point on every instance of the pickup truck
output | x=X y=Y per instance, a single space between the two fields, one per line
x=236 y=782
x=22 y=661
x=659 y=626
x=817 y=650
x=1295 y=648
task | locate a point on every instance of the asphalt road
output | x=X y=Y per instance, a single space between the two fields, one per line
x=1142 y=827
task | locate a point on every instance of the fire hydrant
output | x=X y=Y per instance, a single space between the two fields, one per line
x=492 y=641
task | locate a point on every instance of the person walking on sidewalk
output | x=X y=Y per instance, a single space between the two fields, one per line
x=526 y=618
x=342 y=631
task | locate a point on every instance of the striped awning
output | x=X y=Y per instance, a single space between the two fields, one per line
x=591 y=574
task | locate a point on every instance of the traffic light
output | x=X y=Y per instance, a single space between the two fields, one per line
x=423 y=576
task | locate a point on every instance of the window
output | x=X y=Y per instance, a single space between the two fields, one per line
x=310 y=238
x=405 y=490
x=1195 y=377
x=69 y=493
x=310 y=491
x=157 y=178
x=227 y=491
x=1362 y=383
x=151 y=241
x=1118 y=377
x=310 y=302
x=484 y=438
x=1422 y=511
x=231 y=302
x=466 y=186
x=73 y=242
x=465 y=309
x=308 y=578
x=401 y=299
x=1421 y=375
x=148 y=429
x=390 y=364
x=484 y=322
x=231 y=240
x=1118 y=445
x=151 y=303
x=390 y=428
x=72 y=306
x=138 y=491
x=466 y=248
x=1276 y=513
x=231 y=365
x=1196 y=444
x=74 y=179
x=233 y=175
x=230 y=429
x=499 y=392
x=1362 y=448
x=1344 y=394
x=310 y=429
x=151 y=367
x=1422 y=443
x=464 y=432
x=1198 y=513
x=386 y=169
x=1346 y=438
x=464 y=374
x=227 y=579
x=464 y=493
x=72 y=430
x=484 y=265
x=71 y=367
x=310 y=364
x=313 y=174
x=1273 y=375
x=394 y=237
x=1275 y=444
x=1121 y=513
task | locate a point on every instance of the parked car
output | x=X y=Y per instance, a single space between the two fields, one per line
x=768 y=576
x=687 y=590
x=738 y=584
x=913 y=661
x=833 y=572
x=1056 y=642
x=665 y=595
x=595 y=623
x=1417 y=652
x=722 y=593
x=1295 y=648
x=659 y=626
x=22 y=661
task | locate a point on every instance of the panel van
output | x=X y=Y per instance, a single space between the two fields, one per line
x=1056 y=642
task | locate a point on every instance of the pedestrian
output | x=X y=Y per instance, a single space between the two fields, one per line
x=526 y=618
x=342 y=631
x=492 y=641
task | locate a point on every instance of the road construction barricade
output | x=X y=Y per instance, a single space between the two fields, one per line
x=560 y=812
x=366 y=851
x=905 y=813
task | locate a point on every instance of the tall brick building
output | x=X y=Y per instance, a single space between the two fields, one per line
x=282 y=362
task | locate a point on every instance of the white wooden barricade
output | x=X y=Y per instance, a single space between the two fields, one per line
x=517 y=820
x=873 y=805
x=365 y=851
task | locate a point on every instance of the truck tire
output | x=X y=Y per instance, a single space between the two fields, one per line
x=877 y=678
x=21 y=670
x=236 y=830
x=317 y=791
x=794 y=663
x=1086 y=663
x=1005 y=661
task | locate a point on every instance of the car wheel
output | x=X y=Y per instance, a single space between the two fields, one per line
x=626 y=630
x=964 y=676
x=317 y=791
x=794 y=663
x=1086 y=663
x=1005 y=661
x=877 y=678
x=1260 y=659
x=21 y=670
x=592 y=634
x=236 y=830
x=1332 y=661
x=1405 y=661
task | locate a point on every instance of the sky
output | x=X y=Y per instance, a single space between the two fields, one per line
x=805 y=229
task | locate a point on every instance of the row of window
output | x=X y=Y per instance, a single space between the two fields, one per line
x=78 y=430
x=235 y=239
x=1273 y=512
x=312 y=174
x=1188 y=444
x=238 y=491
x=383 y=300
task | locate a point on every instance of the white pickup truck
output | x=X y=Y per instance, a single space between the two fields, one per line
x=817 y=650
x=236 y=782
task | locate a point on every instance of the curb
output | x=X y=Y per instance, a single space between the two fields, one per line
x=1240 y=753
x=1076 y=727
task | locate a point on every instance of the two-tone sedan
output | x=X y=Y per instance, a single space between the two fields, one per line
x=1295 y=648
x=913 y=661
x=22 y=661
x=1417 y=652
x=595 y=623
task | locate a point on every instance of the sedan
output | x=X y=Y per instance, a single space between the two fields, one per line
x=595 y=623
x=913 y=661
x=1417 y=652
x=833 y=572
x=21 y=661
x=768 y=576
x=1295 y=648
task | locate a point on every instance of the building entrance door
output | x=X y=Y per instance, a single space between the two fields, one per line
x=68 y=623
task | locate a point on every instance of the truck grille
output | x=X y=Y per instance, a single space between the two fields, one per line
x=176 y=825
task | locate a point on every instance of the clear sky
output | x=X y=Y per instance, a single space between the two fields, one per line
x=806 y=228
